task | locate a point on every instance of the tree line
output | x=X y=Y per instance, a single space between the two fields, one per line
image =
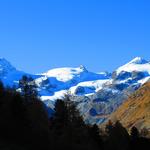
x=25 y=125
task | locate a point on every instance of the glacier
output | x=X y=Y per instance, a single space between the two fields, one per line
x=96 y=94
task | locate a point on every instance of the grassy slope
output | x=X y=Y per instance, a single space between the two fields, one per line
x=136 y=110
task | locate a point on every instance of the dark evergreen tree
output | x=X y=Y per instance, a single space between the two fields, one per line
x=23 y=120
x=68 y=128
x=28 y=88
x=24 y=125
x=137 y=141
x=2 y=91
x=1 y=88
x=18 y=108
x=144 y=132
x=134 y=133
x=118 y=137
x=109 y=127
x=96 y=134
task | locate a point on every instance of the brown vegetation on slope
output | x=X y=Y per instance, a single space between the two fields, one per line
x=136 y=110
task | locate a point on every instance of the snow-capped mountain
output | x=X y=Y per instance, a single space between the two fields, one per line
x=124 y=81
x=56 y=83
x=137 y=64
x=96 y=94
x=9 y=75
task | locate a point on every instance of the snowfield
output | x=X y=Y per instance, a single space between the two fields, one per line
x=96 y=94
x=137 y=64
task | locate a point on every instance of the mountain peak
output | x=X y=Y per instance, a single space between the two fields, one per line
x=138 y=60
x=5 y=66
x=3 y=59
x=82 y=67
x=137 y=64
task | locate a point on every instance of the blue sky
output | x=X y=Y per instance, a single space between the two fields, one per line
x=37 y=35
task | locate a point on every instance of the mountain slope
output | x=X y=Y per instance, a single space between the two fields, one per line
x=97 y=107
x=97 y=95
x=136 y=110
x=9 y=75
